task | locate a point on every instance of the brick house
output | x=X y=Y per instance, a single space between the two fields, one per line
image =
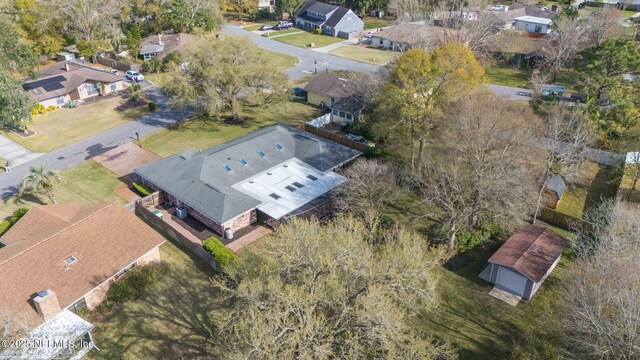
x=61 y=258
x=267 y=174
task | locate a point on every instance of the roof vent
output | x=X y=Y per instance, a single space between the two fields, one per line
x=534 y=248
x=70 y=260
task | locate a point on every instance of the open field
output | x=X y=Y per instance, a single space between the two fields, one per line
x=87 y=182
x=364 y=54
x=203 y=133
x=306 y=38
x=62 y=127
x=482 y=327
x=596 y=183
x=176 y=316
x=374 y=23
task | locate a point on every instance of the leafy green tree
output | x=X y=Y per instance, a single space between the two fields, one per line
x=133 y=37
x=226 y=74
x=15 y=104
x=40 y=181
x=327 y=291
x=611 y=99
x=288 y=6
x=419 y=86
x=186 y=15
x=15 y=55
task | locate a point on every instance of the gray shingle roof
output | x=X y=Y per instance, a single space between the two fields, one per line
x=330 y=85
x=335 y=18
x=199 y=178
x=557 y=185
x=322 y=8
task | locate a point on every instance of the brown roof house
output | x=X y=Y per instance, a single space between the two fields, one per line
x=160 y=45
x=405 y=36
x=324 y=90
x=524 y=261
x=65 y=81
x=61 y=258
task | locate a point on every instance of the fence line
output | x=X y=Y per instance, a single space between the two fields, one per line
x=563 y=221
x=334 y=137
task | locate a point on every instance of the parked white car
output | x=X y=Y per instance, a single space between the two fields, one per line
x=499 y=8
x=134 y=75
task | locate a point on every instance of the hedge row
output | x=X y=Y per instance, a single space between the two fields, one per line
x=224 y=257
x=143 y=189
x=135 y=282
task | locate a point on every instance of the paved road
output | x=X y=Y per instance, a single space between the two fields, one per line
x=308 y=60
x=86 y=149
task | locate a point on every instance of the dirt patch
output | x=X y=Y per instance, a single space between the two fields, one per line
x=25 y=134
x=123 y=159
x=124 y=192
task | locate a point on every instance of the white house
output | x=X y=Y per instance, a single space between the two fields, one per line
x=533 y=24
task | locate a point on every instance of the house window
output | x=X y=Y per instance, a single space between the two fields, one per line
x=60 y=100
x=332 y=101
x=113 y=87
x=77 y=306
x=335 y=112
x=349 y=116
x=343 y=114
x=538 y=28
x=91 y=89
x=120 y=273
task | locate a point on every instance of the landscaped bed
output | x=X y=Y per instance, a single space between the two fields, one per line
x=304 y=39
x=59 y=128
x=365 y=54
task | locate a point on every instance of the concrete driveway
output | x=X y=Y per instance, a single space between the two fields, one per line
x=15 y=153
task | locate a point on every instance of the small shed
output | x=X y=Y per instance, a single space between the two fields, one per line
x=553 y=192
x=525 y=260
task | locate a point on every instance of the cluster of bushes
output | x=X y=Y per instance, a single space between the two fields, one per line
x=135 y=282
x=15 y=216
x=469 y=239
x=143 y=189
x=223 y=256
x=157 y=65
x=40 y=109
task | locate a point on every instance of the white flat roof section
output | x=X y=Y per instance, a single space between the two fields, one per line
x=535 y=20
x=51 y=337
x=288 y=186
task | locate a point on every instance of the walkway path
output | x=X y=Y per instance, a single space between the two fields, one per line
x=15 y=153
x=281 y=35
x=327 y=49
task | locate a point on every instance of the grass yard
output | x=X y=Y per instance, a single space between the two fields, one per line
x=482 y=327
x=203 y=133
x=596 y=183
x=508 y=75
x=87 y=182
x=176 y=318
x=364 y=54
x=304 y=39
x=59 y=128
x=374 y=23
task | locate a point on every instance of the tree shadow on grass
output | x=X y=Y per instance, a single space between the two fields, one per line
x=603 y=187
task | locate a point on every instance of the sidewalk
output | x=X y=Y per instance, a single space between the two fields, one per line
x=329 y=48
x=15 y=153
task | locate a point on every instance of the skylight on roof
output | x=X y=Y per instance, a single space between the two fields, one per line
x=243 y=162
x=290 y=188
x=279 y=146
x=227 y=167
x=261 y=153
x=298 y=185
x=275 y=196
x=312 y=178
x=70 y=260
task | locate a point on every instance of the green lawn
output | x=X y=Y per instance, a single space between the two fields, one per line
x=364 y=54
x=508 y=75
x=304 y=39
x=62 y=127
x=482 y=327
x=176 y=318
x=374 y=23
x=596 y=183
x=203 y=133
x=282 y=32
x=87 y=182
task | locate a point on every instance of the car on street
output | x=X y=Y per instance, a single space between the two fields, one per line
x=369 y=34
x=499 y=8
x=133 y=75
x=282 y=25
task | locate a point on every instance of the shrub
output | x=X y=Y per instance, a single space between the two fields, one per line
x=493 y=228
x=223 y=256
x=38 y=109
x=17 y=214
x=469 y=239
x=173 y=58
x=318 y=31
x=143 y=189
x=51 y=108
x=152 y=106
x=374 y=152
x=4 y=226
x=152 y=66
x=71 y=104
x=135 y=282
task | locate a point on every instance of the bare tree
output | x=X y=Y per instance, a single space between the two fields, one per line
x=325 y=291
x=408 y=10
x=572 y=36
x=567 y=131
x=602 y=289
x=90 y=20
x=11 y=325
x=605 y=25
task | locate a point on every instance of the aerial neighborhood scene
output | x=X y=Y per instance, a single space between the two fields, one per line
x=306 y=179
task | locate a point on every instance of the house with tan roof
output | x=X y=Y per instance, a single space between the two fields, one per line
x=524 y=261
x=58 y=259
x=64 y=81
x=412 y=35
x=324 y=90
x=161 y=45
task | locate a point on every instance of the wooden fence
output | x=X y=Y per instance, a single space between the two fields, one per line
x=115 y=64
x=334 y=137
x=563 y=221
x=157 y=223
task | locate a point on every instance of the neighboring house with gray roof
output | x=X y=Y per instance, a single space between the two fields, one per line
x=327 y=89
x=161 y=45
x=334 y=20
x=64 y=81
x=268 y=174
x=528 y=15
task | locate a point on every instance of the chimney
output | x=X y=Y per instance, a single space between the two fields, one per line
x=66 y=66
x=47 y=304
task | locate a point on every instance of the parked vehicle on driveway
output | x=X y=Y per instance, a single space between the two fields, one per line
x=283 y=25
x=266 y=27
x=579 y=97
x=134 y=75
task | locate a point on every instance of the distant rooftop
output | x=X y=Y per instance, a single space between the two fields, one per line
x=535 y=20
